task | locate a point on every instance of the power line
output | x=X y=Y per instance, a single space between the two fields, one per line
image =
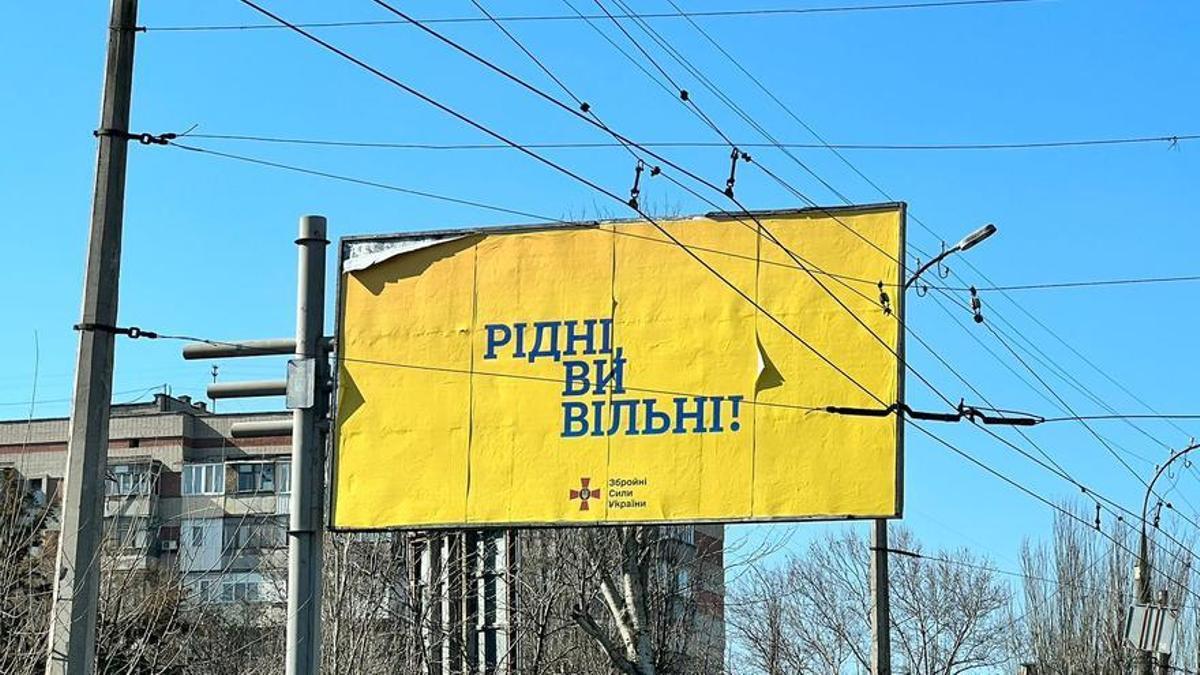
x=1035 y=495
x=917 y=555
x=366 y=144
x=876 y=186
x=773 y=97
x=596 y=145
x=552 y=220
x=786 y=109
x=572 y=174
x=734 y=106
x=728 y=192
x=719 y=13
x=545 y=161
x=124 y=392
x=884 y=193
x=1110 y=505
x=690 y=103
x=365 y=182
x=1124 y=416
x=494 y=134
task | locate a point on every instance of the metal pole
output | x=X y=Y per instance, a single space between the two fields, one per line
x=1164 y=659
x=1142 y=579
x=308 y=479
x=72 y=633
x=881 y=644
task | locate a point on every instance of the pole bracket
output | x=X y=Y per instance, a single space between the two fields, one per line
x=132 y=331
x=144 y=139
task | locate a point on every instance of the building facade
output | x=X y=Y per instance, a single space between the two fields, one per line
x=183 y=495
x=180 y=491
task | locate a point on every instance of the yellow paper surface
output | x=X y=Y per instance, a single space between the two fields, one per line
x=443 y=419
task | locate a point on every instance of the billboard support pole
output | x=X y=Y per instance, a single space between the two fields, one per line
x=881 y=635
x=308 y=457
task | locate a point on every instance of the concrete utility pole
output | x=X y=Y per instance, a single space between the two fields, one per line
x=881 y=643
x=308 y=457
x=72 y=635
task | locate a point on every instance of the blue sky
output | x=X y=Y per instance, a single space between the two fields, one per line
x=208 y=241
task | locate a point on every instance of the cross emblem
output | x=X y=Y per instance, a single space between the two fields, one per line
x=584 y=493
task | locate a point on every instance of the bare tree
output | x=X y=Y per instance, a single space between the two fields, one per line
x=1078 y=587
x=812 y=614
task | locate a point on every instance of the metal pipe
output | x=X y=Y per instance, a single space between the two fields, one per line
x=1141 y=573
x=261 y=429
x=233 y=349
x=224 y=350
x=248 y=389
x=308 y=489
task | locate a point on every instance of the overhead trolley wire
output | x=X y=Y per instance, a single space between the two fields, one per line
x=1035 y=495
x=1049 y=463
x=716 y=91
x=785 y=250
x=738 y=216
x=572 y=174
x=808 y=128
x=1106 y=443
x=716 y=13
x=1125 y=416
x=884 y=193
x=545 y=161
x=700 y=76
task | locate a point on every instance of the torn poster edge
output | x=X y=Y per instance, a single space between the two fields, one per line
x=361 y=255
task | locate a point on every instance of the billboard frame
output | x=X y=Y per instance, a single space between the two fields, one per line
x=898 y=302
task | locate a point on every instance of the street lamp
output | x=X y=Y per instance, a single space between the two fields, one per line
x=968 y=242
x=881 y=652
x=1141 y=573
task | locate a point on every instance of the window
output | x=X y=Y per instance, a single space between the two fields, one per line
x=203 y=479
x=256 y=477
x=128 y=479
x=197 y=536
x=240 y=591
x=128 y=533
x=283 y=475
x=37 y=490
x=251 y=535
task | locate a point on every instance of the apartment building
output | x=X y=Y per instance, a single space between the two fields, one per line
x=183 y=494
x=180 y=491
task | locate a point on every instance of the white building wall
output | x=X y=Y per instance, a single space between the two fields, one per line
x=200 y=543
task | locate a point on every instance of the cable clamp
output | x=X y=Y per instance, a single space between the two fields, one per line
x=636 y=190
x=884 y=301
x=133 y=332
x=144 y=139
x=734 y=156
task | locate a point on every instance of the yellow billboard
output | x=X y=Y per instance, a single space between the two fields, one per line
x=603 y=373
